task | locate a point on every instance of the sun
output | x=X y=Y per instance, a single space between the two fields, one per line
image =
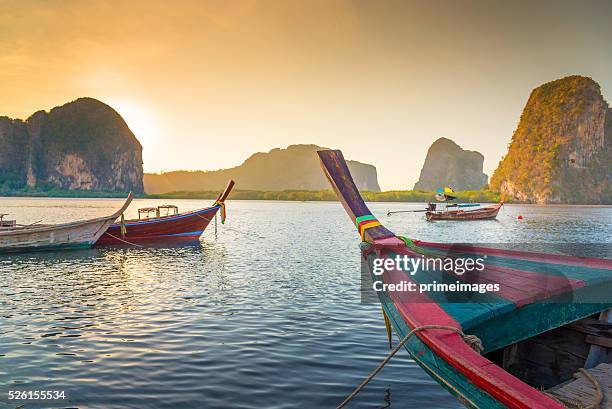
x=138 y=118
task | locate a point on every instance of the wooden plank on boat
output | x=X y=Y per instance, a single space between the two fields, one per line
x=592 y=326
x=605 y=342
x=582 y=390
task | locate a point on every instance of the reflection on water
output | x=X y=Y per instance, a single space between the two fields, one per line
x=266 y=314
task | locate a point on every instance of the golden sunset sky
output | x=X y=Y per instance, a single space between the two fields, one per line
x=204 y=84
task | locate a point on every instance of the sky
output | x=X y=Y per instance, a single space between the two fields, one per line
x=204 y=84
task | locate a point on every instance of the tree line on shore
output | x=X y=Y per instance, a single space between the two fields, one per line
x=290 y=195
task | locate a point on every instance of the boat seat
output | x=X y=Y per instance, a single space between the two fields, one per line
x=583 y=391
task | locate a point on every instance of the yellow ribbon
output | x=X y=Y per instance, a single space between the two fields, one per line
x=366 y=226
x=223 y=212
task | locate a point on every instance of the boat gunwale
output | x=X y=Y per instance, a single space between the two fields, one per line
x=161 y=219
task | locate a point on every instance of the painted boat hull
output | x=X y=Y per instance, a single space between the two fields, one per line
x=79 y=234
x=181 y=227
x=486 y=213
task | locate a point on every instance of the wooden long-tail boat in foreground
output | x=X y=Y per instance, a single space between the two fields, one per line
x=39 y=237
x=483 y=213
x=546 y=335
x=187 y=226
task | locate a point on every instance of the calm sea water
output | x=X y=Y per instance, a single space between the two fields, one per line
x=265 y=314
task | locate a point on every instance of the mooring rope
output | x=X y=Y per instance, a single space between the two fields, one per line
x=124 y=241
x=472 y=340
x=598 y=391
x=577 y=404
x=236 y=230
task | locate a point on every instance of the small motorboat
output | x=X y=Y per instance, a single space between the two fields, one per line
x=38 y=237
x=165 y=223
x=482 y=213
x=454 y=211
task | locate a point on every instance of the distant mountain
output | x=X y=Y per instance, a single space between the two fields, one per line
x=84 y=144
x=561 y=151
x=447 y=164
x=296 y=168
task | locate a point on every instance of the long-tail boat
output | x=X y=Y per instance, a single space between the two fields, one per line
x=187 y=226
x=39 y=237
x=483 y=213
x=550 y=319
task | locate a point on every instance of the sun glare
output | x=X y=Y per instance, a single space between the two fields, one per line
x=138 y=118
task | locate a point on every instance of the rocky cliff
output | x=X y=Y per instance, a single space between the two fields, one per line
x=294 y=168
x=84 y=144
x=447 y=164
x=561 y=151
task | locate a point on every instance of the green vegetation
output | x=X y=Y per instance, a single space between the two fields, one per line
x=291 y=195
x=328 y=195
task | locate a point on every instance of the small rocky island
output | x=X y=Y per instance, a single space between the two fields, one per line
x=447 y=164
x=561 y=151
x=82 y=145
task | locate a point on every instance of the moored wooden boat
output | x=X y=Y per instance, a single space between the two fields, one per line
x=532 y=330
x=187 y=226
x=483 y=213
x=38 y=237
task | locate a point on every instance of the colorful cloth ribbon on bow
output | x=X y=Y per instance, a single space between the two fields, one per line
x=223 y=212
x=365 y=222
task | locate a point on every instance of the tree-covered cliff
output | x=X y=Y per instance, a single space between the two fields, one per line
x=296 y=167
x=83 y=145
x=447 y=164
x=561 y=151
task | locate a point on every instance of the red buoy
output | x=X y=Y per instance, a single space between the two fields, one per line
x=520 y=217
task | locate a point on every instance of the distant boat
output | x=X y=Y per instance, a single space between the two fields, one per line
x=432 y=212
x=550 y=319
x=40 y=237
x=483 y=213
x=171 y=226
x=454 y=211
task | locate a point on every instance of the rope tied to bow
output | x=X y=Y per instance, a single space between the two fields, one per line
x=471 y=340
